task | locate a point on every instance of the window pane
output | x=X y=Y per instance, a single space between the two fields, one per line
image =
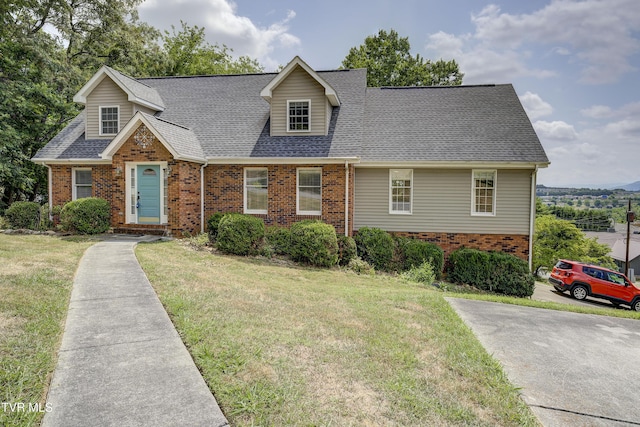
x=401 y=190
x=82 y=192
x=256 y=184
x=484 y=191
x=310 y=199
x=109 y=116
x=299 y=115
x=83 y=177
x=256 y=198
x=309 y=178
x=310 y=191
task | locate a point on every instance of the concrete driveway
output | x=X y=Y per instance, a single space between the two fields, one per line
x=574 y=369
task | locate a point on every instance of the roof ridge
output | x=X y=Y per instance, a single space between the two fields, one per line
x=168 y=122
x=439 y=87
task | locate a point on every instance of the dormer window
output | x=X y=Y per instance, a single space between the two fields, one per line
x=109 y=120
x=298 y=115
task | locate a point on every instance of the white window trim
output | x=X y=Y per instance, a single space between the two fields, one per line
x=308 y=101
x=298 y=211
x=244 y=185
x=100 y=118
x=132 y=218
x=473 y=192
x=391 y=210
x=74 y=185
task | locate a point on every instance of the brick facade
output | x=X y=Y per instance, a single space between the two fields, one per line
x=224 y=192
x=515 y=244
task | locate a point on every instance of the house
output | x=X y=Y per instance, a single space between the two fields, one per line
x=453 y=165
x=619 y=255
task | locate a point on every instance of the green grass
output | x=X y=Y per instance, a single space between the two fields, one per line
x=35 y=285
x=283 y=345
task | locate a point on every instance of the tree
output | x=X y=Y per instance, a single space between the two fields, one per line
x=556 y=239
x=389 y=62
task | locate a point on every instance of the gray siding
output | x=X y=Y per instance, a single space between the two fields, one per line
x=442 y=202
x=106 y=94
x=299 y=86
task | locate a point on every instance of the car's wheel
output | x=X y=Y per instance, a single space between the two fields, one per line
x=636 y=305
x=579 y=292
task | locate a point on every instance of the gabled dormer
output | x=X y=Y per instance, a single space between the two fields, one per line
x=301 y=101
x=111 y=99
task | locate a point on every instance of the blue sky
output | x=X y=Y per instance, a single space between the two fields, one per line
x=574 y=63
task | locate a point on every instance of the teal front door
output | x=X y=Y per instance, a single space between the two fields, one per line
x=148 y=194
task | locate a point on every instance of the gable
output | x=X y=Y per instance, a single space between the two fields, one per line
x=106 y=94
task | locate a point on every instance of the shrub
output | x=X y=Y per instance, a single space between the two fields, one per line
x=360 y=266
x=279 y=238
x=418 y=251
x=314 y=242
x=23 y=215
x=423 y=273
x=375 y=246
x=240 y=234
x=3 y=223
x=346 y=249
x=90 y=215
x=492 y=271
x=212 y=225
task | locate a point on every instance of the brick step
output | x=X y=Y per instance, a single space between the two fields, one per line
x=150 y=230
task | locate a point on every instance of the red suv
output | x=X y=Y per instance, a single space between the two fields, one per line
x=584 y=280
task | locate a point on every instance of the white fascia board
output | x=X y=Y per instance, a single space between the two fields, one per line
x=329 y=92
x=128 y=130
x=453 y=165
x=71 y=161
x=281 y=160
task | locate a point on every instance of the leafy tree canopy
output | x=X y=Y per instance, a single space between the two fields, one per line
x=389 y=62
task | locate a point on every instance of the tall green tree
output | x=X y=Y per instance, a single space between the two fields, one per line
x=389 y=62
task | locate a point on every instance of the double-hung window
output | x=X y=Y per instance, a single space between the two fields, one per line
x=109 y=120
x=400 y=191
x=81 y=183
x=298 y=116
x=483 y=193
x=309 y=197
x=256 y=182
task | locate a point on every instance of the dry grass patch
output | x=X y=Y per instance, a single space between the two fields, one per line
x=286 y=345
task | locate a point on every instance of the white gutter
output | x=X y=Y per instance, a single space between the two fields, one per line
x=50 y=190
x=451 y=165
x=346 y=198
x=280 y=160
x=202 y=220
x=532 y=219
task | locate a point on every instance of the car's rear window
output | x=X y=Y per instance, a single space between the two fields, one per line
x=564 y=265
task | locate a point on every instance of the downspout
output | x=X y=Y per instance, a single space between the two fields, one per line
x=532 y=220
x=50 y=190
x=202 y=220
x=346 y=198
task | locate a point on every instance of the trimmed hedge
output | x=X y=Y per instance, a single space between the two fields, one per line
x=314 y=242
x=279 y=238
x=376 y=247
x=418 y=251
x=491 y=271
x=90 y=215
x=240 y=234
x=347 y=249
x=23 y=215
x=212 y=225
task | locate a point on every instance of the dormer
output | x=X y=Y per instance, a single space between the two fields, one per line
x=301 y=101
x=111 y=99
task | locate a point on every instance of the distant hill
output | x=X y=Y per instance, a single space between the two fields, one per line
x=635 y=186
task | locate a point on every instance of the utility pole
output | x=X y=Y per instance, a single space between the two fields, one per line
x=630 y=218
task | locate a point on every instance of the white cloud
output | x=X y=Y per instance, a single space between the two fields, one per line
x=224 y=25
x=596 y=35
x=556 y=130
x=535 y=106
x=597 y=112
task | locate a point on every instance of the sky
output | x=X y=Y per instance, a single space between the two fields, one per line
x=575 y=64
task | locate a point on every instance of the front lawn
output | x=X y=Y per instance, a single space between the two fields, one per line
x=284 y=345
x=35 y=285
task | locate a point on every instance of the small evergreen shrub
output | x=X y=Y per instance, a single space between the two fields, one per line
x=491 y=271
x=212 y=225
x=418 y=251
x=399 y=259
x=423 y=273
x=375 y=246
x=4 y=224
x=360 y=266
x=279 y=238
x=240 y=234
x=314 y=242
x=90 y=215
x=23 y=215
x=346 y=249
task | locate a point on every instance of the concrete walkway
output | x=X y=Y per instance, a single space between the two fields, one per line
x=573 y=369
x=122 y=362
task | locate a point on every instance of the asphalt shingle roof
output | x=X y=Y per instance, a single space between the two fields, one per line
x=225 y=117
